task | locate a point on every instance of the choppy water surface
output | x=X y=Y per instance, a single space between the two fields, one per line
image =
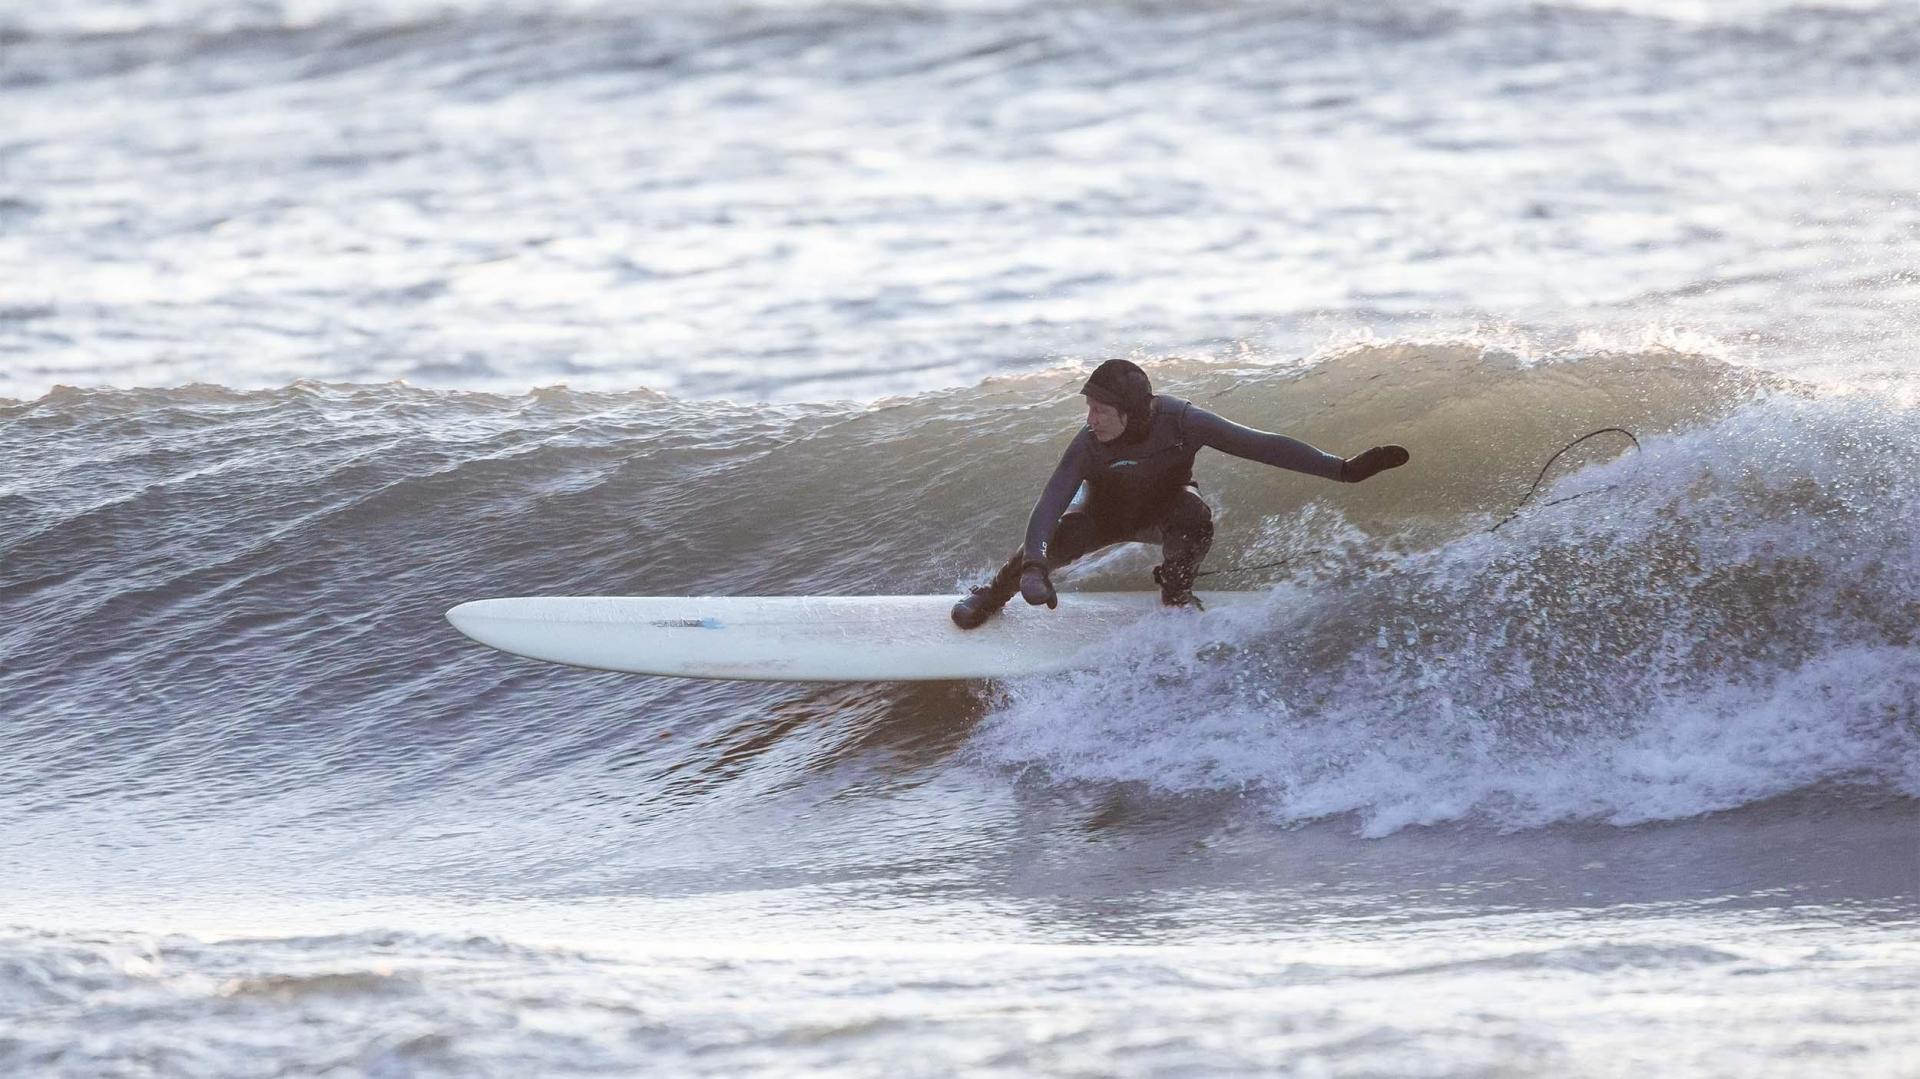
x=819 y=199
x=1630 y=785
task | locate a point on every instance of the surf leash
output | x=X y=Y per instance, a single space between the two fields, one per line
x=1537 y=480
x=1517 y=508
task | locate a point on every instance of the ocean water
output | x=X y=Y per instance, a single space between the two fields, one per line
x=318 y=318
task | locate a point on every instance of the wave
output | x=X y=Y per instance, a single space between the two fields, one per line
x=1734 y=621
x=235 y=597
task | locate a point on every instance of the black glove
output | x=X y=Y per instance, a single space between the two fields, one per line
x=1035 y=588
x=1376 y=460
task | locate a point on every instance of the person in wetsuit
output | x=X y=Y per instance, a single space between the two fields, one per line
x=1135 y=459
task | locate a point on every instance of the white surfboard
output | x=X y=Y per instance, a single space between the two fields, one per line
x=808 y=638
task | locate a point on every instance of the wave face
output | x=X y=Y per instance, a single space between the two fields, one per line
x=222 y=618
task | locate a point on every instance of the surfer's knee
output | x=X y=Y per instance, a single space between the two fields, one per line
x=1072 y=537
x=1189 y=522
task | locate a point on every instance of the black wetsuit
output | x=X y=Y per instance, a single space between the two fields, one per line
x=1141 y=489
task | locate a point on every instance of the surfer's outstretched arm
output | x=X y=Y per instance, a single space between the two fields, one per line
x=1217 y=432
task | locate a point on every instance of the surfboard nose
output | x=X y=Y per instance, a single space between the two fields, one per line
x=457 y=614
x=467 y=619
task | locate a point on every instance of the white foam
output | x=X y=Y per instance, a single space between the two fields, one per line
x=1730 y=625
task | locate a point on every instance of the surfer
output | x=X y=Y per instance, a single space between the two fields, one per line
x=1135 y=460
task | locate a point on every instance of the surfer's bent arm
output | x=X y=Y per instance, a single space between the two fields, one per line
x=1216 y=432
x=1056 y=496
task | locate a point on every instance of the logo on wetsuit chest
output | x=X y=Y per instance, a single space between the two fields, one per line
x=1122 y=464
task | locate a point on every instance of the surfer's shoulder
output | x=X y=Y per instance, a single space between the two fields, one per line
x=1176 y=410
x=1080 y=450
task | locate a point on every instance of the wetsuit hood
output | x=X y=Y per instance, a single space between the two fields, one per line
x=1122 y=385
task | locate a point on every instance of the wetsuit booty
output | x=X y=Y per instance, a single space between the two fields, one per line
x=986 y=600
x=973 y=611
x=1176 y=586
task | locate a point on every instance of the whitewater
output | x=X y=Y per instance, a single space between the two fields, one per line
x=318 y=318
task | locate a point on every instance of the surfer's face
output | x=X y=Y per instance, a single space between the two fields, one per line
x=1107 y=421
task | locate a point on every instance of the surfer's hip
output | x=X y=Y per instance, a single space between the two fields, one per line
x=1147 y=520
